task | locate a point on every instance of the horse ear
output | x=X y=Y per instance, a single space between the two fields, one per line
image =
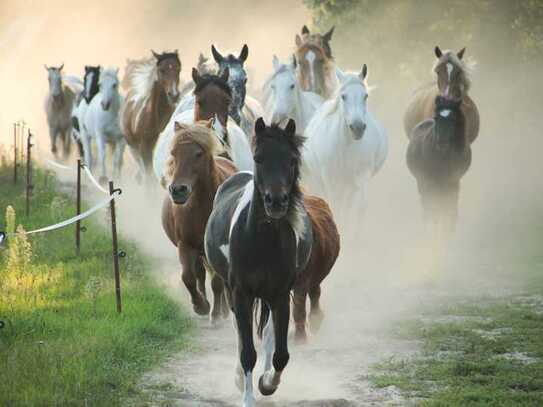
x=216 y=55
x=290 y=128
x=460 y=53
x=117 y=71
x=225 y=74
x=340 y=75
x=364 y=72
x=195 y=76
x=176 y=52
x=298 y=41
x=46 y=67
x=157 y=56
x=260 y=126
x=438 y=52
x=293 y=61
x=60 y=67
x=305 y=30
x=210 y=122
x=276 y=63
x=244 y=53
x=328 y=36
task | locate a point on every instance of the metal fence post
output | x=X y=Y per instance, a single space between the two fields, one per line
x=115 y=248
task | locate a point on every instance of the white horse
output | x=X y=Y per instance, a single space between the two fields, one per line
x=233 y=138
x=345 y=147
x=284 y=99
x=101 y=123
x=59 y=104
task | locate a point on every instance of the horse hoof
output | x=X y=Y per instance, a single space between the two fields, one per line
x=263 y=389
x=315 y=321
x=203 y=308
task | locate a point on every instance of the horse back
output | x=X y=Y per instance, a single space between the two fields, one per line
x=225 y=169
x=326 y=242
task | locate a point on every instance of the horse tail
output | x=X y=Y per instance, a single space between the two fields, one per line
x=264 y=316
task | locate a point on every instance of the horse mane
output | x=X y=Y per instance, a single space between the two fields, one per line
x=208 y=79
x=139 y=79
x=466 y=67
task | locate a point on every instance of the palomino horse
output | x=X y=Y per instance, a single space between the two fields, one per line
x=438 y=155
x=316 y=67
x=259 y=238
x=213 y=98
x=152 y=93
x=59 y=105
x=346 y=147
x=243 y=109
x=283 y=98
x=101 y=124
x=453 y=82
x=194 y=172
x=90 y=89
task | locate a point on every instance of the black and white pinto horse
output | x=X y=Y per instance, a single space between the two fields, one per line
x=438 y=156
x=259 y=238
x=90 y=89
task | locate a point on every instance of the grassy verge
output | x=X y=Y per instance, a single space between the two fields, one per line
x=476 y=351
x=63 y=343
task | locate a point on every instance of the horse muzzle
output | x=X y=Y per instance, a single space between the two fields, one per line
x=105 y=105
x=358 y=129
x=179 y=193
x=276 y=207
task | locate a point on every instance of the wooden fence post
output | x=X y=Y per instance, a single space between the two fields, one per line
x=29 y=185
x=78 y=210
x=115 y=248
x=14 y=153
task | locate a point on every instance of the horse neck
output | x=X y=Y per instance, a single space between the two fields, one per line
x=206 y=187
x=159 y=104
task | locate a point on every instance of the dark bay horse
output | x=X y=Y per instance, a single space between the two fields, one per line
x=438 y=156
x=316 y=67
x=259 y=238
x=453 y=82
x=152 y=87
x=193 y=175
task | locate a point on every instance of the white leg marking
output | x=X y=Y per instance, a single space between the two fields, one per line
x=248 y=393
x=225 y=250
x=269 y=344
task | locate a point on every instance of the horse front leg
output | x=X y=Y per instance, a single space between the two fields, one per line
x=189 y=259
x=87 y=149
x=67 y=143
x=243 y=311
x=53 y=135
x=269 y=381
x=101 y=147
x=217 y=286
x=118 y=157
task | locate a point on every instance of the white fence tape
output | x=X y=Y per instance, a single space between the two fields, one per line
x=96 y=183
x=70 y=221
x=87 y=171
x=57 y=165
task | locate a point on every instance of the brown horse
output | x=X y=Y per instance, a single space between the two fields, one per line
x=193 y=176
x=152 y=93
x=453 y=83
x=324 y=254
x=212 y=96
x=316 y=72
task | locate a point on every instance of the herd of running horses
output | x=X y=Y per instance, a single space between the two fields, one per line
x=258 y=191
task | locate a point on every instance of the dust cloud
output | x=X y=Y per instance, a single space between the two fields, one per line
x=393 y=267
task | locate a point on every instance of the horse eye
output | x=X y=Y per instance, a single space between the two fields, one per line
x=292 y=86
x=344 y=97
x=199 y=154
x=365 y=98
x=258 y=159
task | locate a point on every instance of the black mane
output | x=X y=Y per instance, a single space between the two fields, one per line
x=167 y=55
x=208 y=79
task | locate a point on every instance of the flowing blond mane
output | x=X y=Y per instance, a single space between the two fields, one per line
x=139 y=78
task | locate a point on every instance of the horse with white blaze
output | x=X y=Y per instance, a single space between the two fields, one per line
x=346 y=146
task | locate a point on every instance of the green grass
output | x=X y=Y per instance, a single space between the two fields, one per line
x=489 y=354
x=64 y=343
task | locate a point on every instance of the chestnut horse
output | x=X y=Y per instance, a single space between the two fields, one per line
x=266 y=240
x=152 y=93
x=453 y=83
x=193 y=175
x=316 y=67
x=438 y=156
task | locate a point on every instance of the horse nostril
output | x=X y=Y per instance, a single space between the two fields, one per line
x=183 y=189
x=284 y=199
x=364 y=127
x=268 y=198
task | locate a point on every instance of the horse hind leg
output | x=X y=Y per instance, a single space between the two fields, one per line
x=217 y=286
x=316 y=316
x=299 y=315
